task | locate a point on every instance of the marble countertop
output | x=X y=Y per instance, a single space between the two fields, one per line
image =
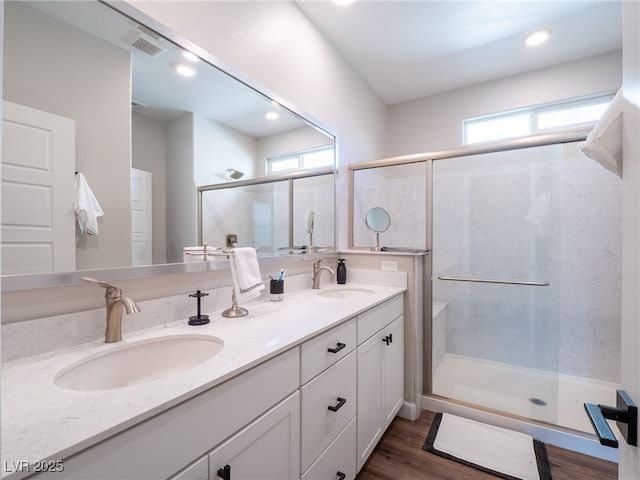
x=41 y=421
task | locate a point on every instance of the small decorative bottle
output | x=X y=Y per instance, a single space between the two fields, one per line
x=341 y=273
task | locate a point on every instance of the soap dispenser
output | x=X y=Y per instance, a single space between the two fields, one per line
x=341 y=272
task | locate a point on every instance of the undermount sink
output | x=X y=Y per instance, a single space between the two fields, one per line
x=139 y=362
x=345 y=292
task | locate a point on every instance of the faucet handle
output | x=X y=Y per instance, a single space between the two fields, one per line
x=100 y=283
x=112 y=290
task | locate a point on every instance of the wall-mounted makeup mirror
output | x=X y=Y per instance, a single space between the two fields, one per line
x=143 y=136
x=377 y=220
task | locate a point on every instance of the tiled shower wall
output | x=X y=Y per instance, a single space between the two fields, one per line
x=558 y=220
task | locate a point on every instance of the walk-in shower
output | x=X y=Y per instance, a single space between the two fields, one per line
x=526 y=282
x=522 y=279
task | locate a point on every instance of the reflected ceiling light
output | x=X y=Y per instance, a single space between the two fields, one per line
x=185 y=70
x=538 y=37
x=342 y=3
x=272 y=115
x=192 y=57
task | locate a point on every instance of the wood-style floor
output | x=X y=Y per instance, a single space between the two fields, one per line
x=399 y=456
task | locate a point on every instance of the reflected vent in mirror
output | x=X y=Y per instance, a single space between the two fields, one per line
x=146 y=44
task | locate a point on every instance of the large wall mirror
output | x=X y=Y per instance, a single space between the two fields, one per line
x=94 y=98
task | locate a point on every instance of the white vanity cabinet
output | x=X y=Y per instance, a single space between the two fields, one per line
x=328 y=404
x=172 y=443
x=380 y=373
x=313 y=412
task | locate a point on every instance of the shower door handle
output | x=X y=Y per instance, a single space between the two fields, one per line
x=625 y=413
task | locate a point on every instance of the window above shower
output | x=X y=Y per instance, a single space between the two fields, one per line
x=576 y=113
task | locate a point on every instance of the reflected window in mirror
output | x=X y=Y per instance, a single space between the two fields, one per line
x=304 y=160
x=400 y=191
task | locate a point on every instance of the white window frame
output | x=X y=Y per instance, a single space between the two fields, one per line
x=300 y=159
x=534 y=112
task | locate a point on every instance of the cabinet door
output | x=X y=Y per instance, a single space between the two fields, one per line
x=393 y=360
x=370 y=408
x=267 y=449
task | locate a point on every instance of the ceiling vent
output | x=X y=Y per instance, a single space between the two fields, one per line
x=145 y=43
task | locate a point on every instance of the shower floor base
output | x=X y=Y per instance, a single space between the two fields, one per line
x=553 y=398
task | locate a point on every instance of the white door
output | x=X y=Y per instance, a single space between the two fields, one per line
x=141 y=217
x=629 y=466
x=38 y=218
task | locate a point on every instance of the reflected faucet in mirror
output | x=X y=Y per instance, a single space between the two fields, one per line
x=310 y=224
x=116 y=303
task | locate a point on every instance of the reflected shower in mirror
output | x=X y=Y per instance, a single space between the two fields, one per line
x=112 y=79
x=277 y=215
x=400 y=192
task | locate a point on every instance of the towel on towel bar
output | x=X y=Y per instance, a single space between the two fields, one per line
x=245 y=272
x=604 y=142
x=87 y=207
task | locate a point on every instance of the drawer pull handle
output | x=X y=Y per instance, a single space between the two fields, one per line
x=341 y=476
x=225 y=472
x=339 y=346
x=338 y=406
x=388 y=339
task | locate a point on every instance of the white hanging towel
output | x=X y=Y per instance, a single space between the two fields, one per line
x=604 y=142
x=245 y=272
x=87 y=207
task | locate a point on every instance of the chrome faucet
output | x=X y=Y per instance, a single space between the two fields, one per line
x=317 y=270
x=116 y=303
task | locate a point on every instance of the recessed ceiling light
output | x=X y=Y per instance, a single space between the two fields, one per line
x=538 y=37
x=185 y=70
x=272 y=115
x=192 y=57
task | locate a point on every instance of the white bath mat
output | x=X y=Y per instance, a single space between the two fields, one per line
x=501 y=452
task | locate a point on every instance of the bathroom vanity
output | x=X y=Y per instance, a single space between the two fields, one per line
x=302 y=388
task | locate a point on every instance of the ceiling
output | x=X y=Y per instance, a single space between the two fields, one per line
x=411 y=49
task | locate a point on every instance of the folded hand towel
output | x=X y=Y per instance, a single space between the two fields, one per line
x=245 y=272
x=87 y=207
x=604 y=142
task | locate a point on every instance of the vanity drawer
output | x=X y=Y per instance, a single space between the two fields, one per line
x=328 y=405
x=322 y=351
x=340 y=457
x=373 y=320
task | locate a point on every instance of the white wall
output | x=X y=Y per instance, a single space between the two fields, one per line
x=435 y=123
x=181 y=189
x=218 y=147
x=94 y=90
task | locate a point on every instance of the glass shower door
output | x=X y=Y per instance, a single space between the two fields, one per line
x=495 y=280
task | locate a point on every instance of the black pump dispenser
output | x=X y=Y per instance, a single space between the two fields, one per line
x=341 y=273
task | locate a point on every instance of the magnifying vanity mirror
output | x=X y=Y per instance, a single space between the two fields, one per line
x=143 y=136
x=378 y=221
